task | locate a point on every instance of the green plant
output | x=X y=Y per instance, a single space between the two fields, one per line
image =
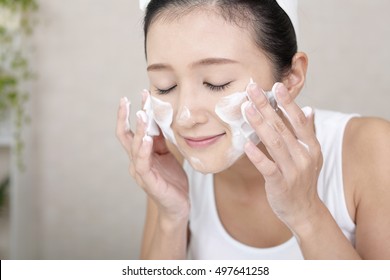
x=15 y=26
x=4 y=184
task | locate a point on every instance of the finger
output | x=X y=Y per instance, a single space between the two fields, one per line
x=123 y=132
x=302 y=120
x=139 y=133
x=266 y=167
x=270 y=116
x=296 y=147
x=145 y=94
x=271 y=139
x=143 y=164
x=258 y=97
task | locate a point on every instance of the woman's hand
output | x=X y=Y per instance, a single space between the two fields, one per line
x=292 y=172
x=153 y=166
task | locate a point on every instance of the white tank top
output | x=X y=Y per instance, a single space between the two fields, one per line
x=210 y=240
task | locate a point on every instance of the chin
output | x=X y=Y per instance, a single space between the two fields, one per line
x=212 y=165
x=206 y=170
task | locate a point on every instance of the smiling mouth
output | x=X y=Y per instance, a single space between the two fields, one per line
x=203 y=142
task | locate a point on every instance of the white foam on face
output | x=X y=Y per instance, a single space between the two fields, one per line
x=160 y=114
x=231 y=110
x=196 y=163
x=184 y=116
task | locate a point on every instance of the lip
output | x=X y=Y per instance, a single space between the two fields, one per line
x=203 y=142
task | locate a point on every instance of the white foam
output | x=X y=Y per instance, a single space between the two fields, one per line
x=231 y=110
x=160 y=114
x=185 y=115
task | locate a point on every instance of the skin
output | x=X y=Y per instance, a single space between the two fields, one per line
x=269 y=194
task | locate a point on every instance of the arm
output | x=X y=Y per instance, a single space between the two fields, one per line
x=163 y=239
x=320 y=237
x=367 y=169
x=161 y=176
x=291 y=176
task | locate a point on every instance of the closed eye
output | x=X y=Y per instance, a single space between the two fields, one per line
x=217 y=87
x=208 y=85
x=165 y=91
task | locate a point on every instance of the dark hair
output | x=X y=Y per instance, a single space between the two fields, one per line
x=272 y=28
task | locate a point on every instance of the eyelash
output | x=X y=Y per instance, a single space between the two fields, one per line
x=217 y=88
x=165 y=91
x=210 y=86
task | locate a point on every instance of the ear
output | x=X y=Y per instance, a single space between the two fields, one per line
x=296 y=78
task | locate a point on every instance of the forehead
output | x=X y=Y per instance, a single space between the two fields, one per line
x=196 y=35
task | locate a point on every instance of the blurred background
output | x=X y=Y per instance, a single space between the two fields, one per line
x=69 y=194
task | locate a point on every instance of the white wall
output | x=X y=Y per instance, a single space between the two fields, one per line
x=88 y=55
x=76 y=200
x=348 y=43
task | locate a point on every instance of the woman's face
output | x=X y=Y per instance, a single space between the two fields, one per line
x=193 y=62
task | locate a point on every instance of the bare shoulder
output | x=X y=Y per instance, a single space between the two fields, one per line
x=366 y=155
x=367 y=151
x=367 y=141
x=368 y=129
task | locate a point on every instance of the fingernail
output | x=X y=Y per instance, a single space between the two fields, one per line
x=124 y=100
x=243 y=109
x=281 y=91
x=253 y=89
x=250 y=147
x=145 y=94
x=251 y=82
x=251 y=110
x=308 y=111
x=276 y=87
x=147 y=138
x=142 y=116
x=127 y=123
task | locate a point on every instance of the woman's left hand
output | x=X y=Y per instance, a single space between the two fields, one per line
x=292 y=171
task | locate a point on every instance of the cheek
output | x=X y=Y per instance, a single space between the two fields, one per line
x=228 y=109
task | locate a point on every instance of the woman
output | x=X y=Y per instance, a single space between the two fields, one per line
x=312 y=185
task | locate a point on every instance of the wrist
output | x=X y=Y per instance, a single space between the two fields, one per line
x=309 y=224
x=170 y=223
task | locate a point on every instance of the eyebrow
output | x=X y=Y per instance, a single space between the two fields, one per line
x=202 y=62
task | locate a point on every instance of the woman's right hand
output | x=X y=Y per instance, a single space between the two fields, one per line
x=153 y=166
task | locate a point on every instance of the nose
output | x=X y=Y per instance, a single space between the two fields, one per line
x=184 y=117
x=190 y=111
